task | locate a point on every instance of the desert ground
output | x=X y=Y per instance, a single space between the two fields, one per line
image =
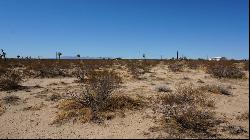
x=33 y=109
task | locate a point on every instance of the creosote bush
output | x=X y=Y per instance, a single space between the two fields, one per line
x=188 y=113
x=97 y=101
x=220 y=71
x=11 y=80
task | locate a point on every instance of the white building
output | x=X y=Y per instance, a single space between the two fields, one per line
x=217 y=58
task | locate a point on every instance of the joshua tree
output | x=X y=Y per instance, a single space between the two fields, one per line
x=144 y=55
x=59 y=55
x=78 y=55
x=3 y=55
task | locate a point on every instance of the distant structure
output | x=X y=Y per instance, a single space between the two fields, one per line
x=217 y=58
x=177 y=55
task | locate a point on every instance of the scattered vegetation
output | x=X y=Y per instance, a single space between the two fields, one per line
x=138 y=68
x=10 y=80
x=177 y=66
x=221 y=71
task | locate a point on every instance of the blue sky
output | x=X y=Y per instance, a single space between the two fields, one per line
x=125 y=28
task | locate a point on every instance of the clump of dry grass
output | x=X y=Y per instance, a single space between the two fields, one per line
x=10 y=80
x=97 y=102
x=176 y=66
x=216 y=89
x=12 y=99
x=230 y=71
x=188 y=113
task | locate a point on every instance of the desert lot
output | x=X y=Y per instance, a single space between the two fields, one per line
x=163 y=101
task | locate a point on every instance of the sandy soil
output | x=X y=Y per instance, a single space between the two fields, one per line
x=34 y=113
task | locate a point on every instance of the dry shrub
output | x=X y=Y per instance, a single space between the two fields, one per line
x=47 y=69
x=138 y=68
x=163 y=88
x=99 y=88
x=72 y=109
x=97 y=101
x=2 y=109
x=200 y=81
x=50 y=72
x=188 y=113
x=216 y=89
x=235 y=130
x=220 y=71
x=82 y=71
x=12 y=99
x=189 y=121
x=176 y=66
x=187 y=95
x=124 y=102
x=54 y=97
x=246 y=65
x=193 y=64
x=3 y=70
x=34 y=108
x=11 y=80
x=243 y=116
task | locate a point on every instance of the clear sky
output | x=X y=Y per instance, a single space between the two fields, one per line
x=125 y=28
